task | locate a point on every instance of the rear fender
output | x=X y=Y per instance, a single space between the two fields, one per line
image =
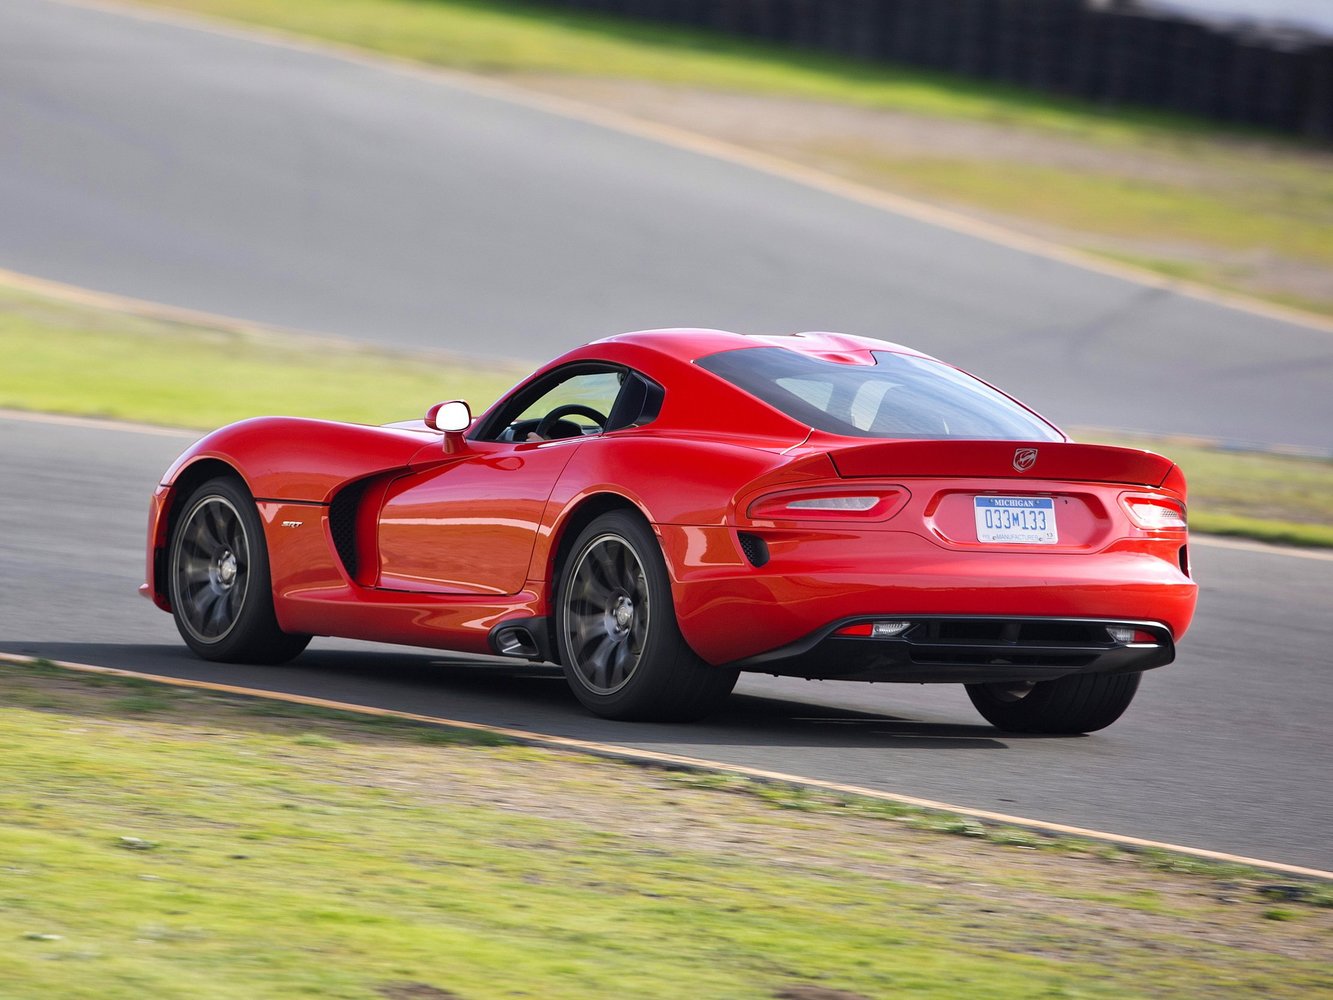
x=676 y=481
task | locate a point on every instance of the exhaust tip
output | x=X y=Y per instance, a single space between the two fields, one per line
x=517 y=641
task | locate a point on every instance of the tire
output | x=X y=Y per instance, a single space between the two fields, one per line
x=218 y=579
x=616 y=631
x=1079 y=703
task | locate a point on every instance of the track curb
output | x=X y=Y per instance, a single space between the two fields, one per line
x=679 y=762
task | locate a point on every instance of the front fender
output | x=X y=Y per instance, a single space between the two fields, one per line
x=292 y=458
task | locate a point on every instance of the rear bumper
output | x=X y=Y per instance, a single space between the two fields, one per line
x=969 y=649
x=733 y=611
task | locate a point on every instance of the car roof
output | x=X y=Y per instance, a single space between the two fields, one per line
x=689 y=345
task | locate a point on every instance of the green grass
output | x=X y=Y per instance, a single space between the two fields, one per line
x=76 y=359
x=489 y=36
x=1235 y=209
x=211 y=851
x=1275 y=498
x=1117 y=207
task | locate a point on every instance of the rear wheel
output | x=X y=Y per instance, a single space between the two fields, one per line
x=219 y=585
x=622 y=651
x=1080 y=703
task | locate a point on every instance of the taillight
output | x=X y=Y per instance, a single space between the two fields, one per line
x=1154 y=512
x=875 y=503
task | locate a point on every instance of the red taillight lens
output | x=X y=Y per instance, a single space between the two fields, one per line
x=874 y=630
x=869 y=503
x=1155 y=513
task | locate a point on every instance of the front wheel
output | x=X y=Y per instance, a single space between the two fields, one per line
x=219 y=585
x=1079 y=703
x=622 y=651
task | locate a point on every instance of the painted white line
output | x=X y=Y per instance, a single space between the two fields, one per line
x=717 y=149
x=693 y=763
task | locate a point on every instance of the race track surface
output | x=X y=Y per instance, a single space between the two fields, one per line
x=1227 y=749
x=187 y=167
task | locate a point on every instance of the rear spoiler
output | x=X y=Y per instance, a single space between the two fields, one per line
x=955 y=459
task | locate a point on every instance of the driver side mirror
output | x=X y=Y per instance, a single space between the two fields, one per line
x=453 y=418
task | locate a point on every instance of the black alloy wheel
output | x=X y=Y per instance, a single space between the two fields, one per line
x=218 y=579
x=621 y=649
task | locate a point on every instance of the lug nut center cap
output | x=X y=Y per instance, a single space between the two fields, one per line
x=226 y=568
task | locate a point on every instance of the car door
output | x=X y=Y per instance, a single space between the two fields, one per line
x=466 y=524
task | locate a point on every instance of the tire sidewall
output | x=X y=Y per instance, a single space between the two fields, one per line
x=1065 y=706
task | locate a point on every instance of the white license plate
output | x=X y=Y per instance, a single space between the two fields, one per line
x=1015 y=520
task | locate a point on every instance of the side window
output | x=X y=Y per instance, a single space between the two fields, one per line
x=578 y=404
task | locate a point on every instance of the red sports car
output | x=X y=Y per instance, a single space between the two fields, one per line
x=659 y=511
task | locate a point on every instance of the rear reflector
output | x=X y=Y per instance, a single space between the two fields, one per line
x=875 y=630
x=1126 y=635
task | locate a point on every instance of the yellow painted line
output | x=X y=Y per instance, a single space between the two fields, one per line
x=717 y=149
x=676 y=760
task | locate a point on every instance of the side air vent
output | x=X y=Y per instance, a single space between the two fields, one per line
x=342 y=525
x=754 y=547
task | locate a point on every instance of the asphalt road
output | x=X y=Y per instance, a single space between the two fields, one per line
x=205 y=171
x=1227 y=749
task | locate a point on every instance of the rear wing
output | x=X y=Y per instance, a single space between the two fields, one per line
x=951 y=459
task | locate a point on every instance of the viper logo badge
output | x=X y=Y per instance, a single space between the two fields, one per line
x=1024 y=459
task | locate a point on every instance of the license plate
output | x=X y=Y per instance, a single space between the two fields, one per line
x=1015 y=520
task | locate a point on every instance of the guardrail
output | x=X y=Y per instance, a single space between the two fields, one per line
x=1114 y=53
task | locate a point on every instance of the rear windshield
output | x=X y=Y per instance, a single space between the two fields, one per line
x=899 y=396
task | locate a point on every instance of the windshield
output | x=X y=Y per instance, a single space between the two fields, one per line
x=900 y=396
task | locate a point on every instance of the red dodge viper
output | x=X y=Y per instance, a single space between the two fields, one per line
x=659 y=511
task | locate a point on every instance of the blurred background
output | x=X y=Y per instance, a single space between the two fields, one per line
x=1120 y=212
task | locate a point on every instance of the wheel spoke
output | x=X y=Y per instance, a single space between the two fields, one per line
x=212 y=526
x=218 y=618
x=638 y=632
x=600 y=661
x=193 y=542
x=622 y=662
x=591 y=591
x=210 y=569
x=603 y=565
x=605 y=614
x=203 y=609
